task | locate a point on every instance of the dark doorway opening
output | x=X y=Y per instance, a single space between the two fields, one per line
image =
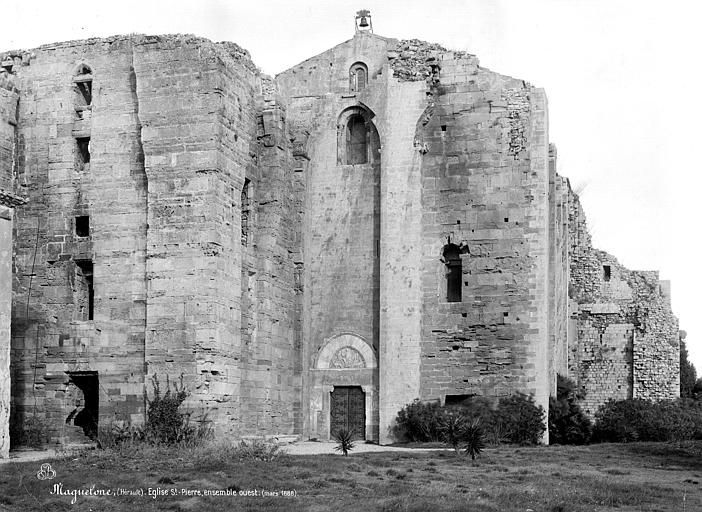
x=459 y=399
x=348 y=410
x=86 y=413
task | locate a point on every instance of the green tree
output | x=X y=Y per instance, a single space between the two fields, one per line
x=688 y=374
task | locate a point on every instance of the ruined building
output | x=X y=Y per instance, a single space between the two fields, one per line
x=379 y=223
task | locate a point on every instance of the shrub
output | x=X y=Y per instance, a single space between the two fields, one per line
x=517 y=419
x=480 y=408
x=120 y=434
x=165 y=424
x=453 y=430
x=419 y=421
x=344 y=440
x=265 y=451
x=567 y=424
x=522 y=419
x=474 y=438
x=643 y=420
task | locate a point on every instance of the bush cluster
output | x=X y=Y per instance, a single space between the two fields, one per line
x=165 y=424
x=420 y=421
x=567 y=424
x=515 y=419
x=635 y=419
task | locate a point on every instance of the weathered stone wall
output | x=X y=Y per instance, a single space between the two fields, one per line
x=5 y=314
x=627 y=343
x=227 y=237
x=271 y=363
x=188 y=91
x=52 y=331
x=8 y=121
x=342 y=216
x=559 y=271
x=485 y=180
x=173 y=129
x=9 y=96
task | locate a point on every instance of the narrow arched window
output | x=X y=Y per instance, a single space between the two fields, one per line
x=358 y=77
x=83 y=81
x=245 y=212
x=454 y=273
x=356 y=140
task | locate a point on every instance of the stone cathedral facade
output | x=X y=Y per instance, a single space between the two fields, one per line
x=381 y=223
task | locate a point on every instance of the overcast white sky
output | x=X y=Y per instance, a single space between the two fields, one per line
x=622 y=78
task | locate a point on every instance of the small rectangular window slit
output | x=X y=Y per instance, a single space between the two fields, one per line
x=84 y=276
x=607 y=272
x=83 y=226
x=84 y=149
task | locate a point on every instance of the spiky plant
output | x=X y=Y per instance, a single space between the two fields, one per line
x=474 y=438
x=452 y=429
x=344 y=439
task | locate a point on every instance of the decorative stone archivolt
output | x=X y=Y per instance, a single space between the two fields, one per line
x=346 y=351
x=347 y=357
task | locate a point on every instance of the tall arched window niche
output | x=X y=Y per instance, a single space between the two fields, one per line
x=357 y=138
x=451 y=256
x=358 y=77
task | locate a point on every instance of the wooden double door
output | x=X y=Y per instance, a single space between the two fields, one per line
x=348 y=410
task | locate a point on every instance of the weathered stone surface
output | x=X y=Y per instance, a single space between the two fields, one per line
x=271 y=239
x=8 y=201
x=626 y=344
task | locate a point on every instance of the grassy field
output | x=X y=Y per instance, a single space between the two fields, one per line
x=624 y=477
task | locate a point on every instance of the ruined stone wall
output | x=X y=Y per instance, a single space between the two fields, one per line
x=5 y=314
x=271 y=362
x=627 y=344
x=9 y=96
x=559 y=271
x=485 y=184
x=172 y=128
x=8 y=121
x=52 y=331
x=195 y=169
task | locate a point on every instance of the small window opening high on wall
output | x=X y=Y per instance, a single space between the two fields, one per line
x=454 y=273
x=607 y=272
x=84 y=86
x=83 y=226
x=358 y=77
x=85 y=290
x=83 y=149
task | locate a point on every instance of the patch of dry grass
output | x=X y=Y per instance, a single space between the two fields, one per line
x=641 y=477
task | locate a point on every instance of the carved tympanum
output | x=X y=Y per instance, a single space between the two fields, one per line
x=347 y=357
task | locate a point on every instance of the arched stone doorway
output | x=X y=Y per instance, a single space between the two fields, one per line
x=344 y=388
